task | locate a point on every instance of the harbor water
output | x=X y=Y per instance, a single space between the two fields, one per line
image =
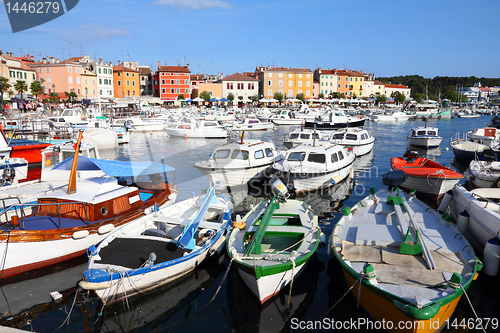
x=215 y=299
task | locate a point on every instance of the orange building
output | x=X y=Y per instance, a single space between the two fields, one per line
x=288 y=81
x=172 y=81
x=126 y=82
x=350 y=82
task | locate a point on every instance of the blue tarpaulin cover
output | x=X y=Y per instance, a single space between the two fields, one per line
x=115 y=168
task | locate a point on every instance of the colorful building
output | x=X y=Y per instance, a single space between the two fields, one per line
x=328 y=81
x=288 y=81
x=126 y=82
x=350 y=83
x=241 y=86
x=60 y=76
x=172 y=81
x=390 y=89
x=14 y=69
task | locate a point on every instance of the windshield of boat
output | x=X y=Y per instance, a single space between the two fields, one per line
x=296 y=156
x=316 y=158
x=338 y=136
x=350 y=136
x=239 y=154
x=294 y=136
x=269 y=152
x=223 y=153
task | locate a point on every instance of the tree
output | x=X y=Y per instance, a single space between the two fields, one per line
x=4 y=86
x=278 y=96
x=205 y=96
x=21 y=87
x=254 y=98
x=54 y=97
x=381 y=99
x=230 y=97
x=354 y=96
x=300 y=97
x=181 y=97
x=398 y=97
x=36 y=88
x=321 y=95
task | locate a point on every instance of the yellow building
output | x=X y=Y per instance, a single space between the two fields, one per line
x=126 y=82
x=89 y=84
x=350 y=83
x=288 y=81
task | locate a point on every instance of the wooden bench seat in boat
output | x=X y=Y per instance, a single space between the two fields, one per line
x=378 y=234
x=50 y=222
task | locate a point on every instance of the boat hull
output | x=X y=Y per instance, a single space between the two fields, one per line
x=199 y=134
x=233 y=176
x=318 y=125
x=425 y=142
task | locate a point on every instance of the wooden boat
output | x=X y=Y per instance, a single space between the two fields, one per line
x=426 y=137
x=273 y=242
x=465 y=150
x=158 y=248
x=412 y=266
x=356 y=138
x=236 y=163
x=66 y=221
x=312 y=167
x=476 y=213
x=424 y=175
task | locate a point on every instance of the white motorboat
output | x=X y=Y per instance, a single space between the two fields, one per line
x=312 y=167
x=203 y=129
x=426 y=137
x=158 y=248
x=476 y=213
x=286 y=117
x=335 y=119
x=236 y=163
x=263 y=114
x=396 y=116
x=484 y=173
x=466 y=150
x=136 y=124
x=356 y=138
x=488 y=136
x=303 y=135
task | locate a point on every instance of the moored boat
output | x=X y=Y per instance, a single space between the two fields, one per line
x=484 y=173
x=426 y=137
x=356 y=138
x=299 y=136
x=158 y=248
x=411 y=266
x=273 y=242
x=425 y=175
x=252 y=124
x=204 y=129
x=465 y=150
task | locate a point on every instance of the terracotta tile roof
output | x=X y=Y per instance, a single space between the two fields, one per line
x=23 y=67
x=197 y=77
x=396 y=86
x=123 y=69
x=145 y=71
x=75 y=59
x=327 y=72
x=239 y=77
x=379 y=83
x=287 y=69
x=349 y=72
x=174 y=69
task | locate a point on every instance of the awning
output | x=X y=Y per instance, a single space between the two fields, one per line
x=115 y=168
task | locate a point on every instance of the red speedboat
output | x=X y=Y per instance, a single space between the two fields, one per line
x=424 y=175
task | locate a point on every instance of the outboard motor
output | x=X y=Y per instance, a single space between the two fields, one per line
x=8 y=174
x=411 y=155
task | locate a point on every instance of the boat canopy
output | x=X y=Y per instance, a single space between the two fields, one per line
x=115 y=168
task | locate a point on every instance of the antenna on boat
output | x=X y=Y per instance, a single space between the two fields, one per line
x=241 y=137
x=72 y=175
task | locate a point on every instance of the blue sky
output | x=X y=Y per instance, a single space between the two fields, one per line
x=385 y=37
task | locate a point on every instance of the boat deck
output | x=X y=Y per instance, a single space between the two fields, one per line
x=134 y=252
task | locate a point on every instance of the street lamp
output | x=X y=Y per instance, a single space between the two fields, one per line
x=86 y=93
x=1 y=96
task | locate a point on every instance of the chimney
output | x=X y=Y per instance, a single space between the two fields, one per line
x=119 y=62
x=187 y=65
x=1 y=52
x=44 y=60
x=57 y=60
x=32 y=58
x=159 y=64
x=51 y=60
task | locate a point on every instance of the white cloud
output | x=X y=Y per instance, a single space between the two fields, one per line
x=93 y=31
x=194 y=4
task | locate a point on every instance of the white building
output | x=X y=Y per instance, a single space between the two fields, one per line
x=392 y=88
x=104 y=72
x=241 y=86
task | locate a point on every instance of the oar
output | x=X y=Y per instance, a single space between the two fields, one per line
x=187 y=239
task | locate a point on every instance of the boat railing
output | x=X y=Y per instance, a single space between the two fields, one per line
x=18 y=210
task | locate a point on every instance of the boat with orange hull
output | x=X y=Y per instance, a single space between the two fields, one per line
x=407 y=265
x=424 y=175
x=65 y=222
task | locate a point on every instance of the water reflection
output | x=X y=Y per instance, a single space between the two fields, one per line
x=246 y=312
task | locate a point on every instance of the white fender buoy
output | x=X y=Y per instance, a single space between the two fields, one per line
x=322 y=239
x=80 y=234
x=105 y=229
x=446 y=201
x=463 y=221
x=491 y=256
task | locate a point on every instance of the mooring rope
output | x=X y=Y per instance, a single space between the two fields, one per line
x=70 y=310
x=291 y=283
x=474 y=311
x=223 y=279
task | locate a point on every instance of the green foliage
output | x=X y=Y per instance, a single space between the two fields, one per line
x=254 y=98
x=321 y=95
x=230 y=97
x=181 y=97
x=336 y=95
x=5 y=84
x=36 y=88
x=21 y=87
x=381 y=99
x=398 y=97
x=54 y=97
x=278 y=96
x=205 y=96
x=300 y=97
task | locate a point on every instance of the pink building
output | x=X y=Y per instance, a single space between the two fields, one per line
x=60 y=77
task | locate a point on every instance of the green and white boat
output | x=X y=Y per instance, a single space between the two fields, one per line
x=273 y=242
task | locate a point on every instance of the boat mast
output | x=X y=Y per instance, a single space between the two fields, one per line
x=72 y=175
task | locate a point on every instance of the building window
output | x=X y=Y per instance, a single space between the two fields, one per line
x=280 y=75
x=119 y=82
x=269 y=92
x=86 y=81
x=290 y=75
x=280 y=83
x=128 y=74
x=308 y=93
x=133 y=74
x=178 y=91
x=270 y=75
x=186 y=90
x=308 y=83
x=77 y=80
x=300 y=76
x=110 y=71
x=290 y=83
x=163 y=90
x=48 y=79
x=69 y=69
x=269 y=83
x=308 y=76
x=172 y=90
x=128 y=82
x=70 y=79
x=290 y=93
x=133 y=83
x=300 y=83
x=172 y=81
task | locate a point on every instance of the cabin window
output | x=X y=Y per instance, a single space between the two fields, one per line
x=432 y=133
x=304 y=136
x=269 y=152
x=350 y=136
x=364 y=136
x=341 y=156
x=239 y=154
x=223 y=153
x=315 y=136
x=335 y=158
x=259 y=154
x=317 y=158
x=104 y=211
x=210 y=124
x=294 y=136
x=253 y=121
x=296 y=156
x=338 y=136
x=420 y=132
